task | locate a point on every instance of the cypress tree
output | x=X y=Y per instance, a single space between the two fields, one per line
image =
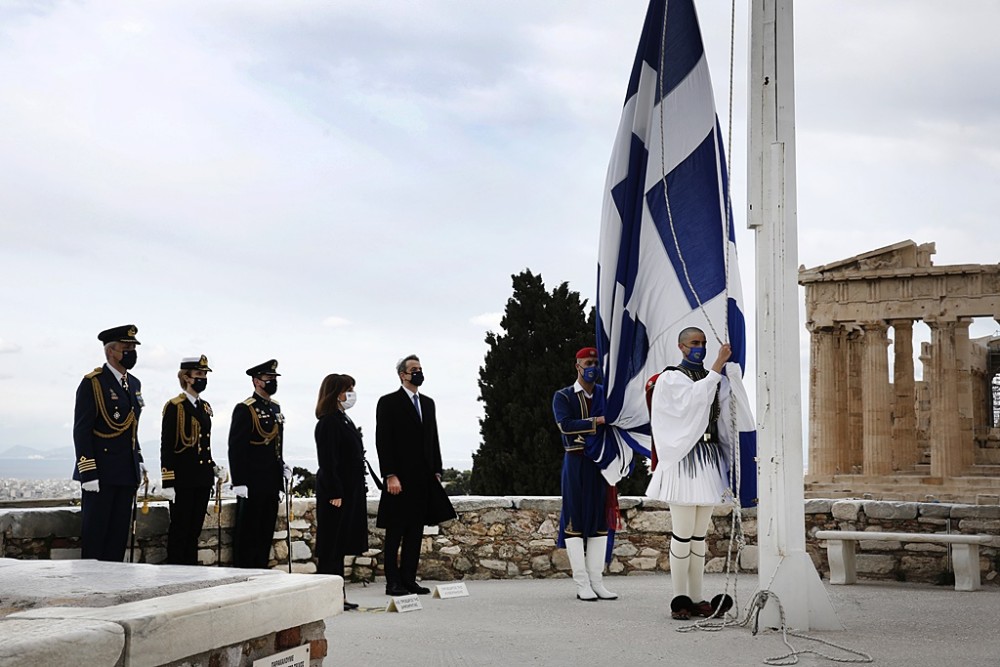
x=521 y=451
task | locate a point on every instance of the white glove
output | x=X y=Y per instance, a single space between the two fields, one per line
x=142 y=468
x=221 y=473
x=168 y=493
x=94 y=486
x=241 y=491
x=287 y=473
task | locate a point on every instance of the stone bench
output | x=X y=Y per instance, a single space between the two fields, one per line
x=964 y=553
x=138 y=615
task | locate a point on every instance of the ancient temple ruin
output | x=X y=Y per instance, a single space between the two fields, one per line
x=900 y=437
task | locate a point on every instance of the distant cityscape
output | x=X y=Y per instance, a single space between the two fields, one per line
x=38 y=489
x=34 y=474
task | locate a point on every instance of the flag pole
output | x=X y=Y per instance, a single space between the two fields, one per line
x=784 y=566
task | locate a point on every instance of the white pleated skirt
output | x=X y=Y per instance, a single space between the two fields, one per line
x=692 y=481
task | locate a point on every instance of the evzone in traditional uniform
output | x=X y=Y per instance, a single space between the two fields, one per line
x=692 y=456
x=108 y=459
x=258 y=469
x=187 y=468
x=587 y=499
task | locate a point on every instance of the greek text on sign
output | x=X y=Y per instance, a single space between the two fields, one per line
x=455 y=590
x=404 y=603
x=295 y=657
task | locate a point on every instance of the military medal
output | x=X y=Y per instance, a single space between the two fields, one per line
x=117 y=414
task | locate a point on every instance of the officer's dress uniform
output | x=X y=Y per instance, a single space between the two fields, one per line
x=584 y=490
x=255 y=458
x=188 y=468
x=105 y=424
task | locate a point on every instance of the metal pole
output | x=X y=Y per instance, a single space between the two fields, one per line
x=218 y=521
x=288 y=522
x=135 y=507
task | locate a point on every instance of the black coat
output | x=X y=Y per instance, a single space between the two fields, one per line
x=340 y=530
x=255 y=436
x=186 y=444
x=105 y=425
x=409 y=448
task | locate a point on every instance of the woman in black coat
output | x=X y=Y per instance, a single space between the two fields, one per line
x=341 y=506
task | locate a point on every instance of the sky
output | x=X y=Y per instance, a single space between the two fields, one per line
x=339 y=184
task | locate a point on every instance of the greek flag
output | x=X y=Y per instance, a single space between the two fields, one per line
x=667 y=256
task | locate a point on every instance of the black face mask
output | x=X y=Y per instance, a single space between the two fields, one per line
x=198 y=385
x=417 y=378
x=129 y=357
x=271 y=387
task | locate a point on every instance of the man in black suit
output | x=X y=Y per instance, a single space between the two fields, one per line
x=187 y=468
x=108 y=460
x=409 y=455
x=259 y=471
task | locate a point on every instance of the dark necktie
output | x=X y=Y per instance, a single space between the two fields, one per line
x=416 y=404
x=125 y=381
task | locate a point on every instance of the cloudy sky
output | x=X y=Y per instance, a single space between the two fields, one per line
x=336 y=184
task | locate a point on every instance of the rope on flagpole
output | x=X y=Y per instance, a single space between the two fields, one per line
x=737 y=538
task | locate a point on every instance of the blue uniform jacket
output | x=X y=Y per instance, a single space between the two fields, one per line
x=575 y=421
x=105 y=429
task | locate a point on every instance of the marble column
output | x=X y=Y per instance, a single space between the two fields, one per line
x=876 y=399
x=904 y=416
x=827 y=445
x=855 y=422
x=963 y=370
x=946 y=438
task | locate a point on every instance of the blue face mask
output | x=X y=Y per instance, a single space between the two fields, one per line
x=591 y=375
x=696 y=354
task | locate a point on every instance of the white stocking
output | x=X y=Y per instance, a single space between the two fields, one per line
x=682 y=518
x=696 y=562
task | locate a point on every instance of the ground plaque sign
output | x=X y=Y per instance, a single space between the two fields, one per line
x=295 y=657
x=404 y=603
x=454 y=590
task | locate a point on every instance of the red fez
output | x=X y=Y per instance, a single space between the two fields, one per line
x=586 y=353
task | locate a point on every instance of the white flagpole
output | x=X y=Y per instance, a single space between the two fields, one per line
x=784 y=567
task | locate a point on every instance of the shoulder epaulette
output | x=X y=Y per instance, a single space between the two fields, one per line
x=275 y=402
x=249 y=402
x=94 y=373
x=177 y=400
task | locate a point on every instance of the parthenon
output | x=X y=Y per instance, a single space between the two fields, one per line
x=899 y=436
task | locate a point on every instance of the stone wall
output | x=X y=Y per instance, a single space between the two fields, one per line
x=514 y=537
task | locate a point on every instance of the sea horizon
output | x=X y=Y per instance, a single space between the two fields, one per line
x=44 y=469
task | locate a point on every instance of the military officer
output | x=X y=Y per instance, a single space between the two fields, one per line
x=258 y=469
x=188 y=470
x=108 y=459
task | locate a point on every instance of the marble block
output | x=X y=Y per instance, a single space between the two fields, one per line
x=60 y=642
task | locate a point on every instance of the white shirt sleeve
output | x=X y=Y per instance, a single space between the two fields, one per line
x=679 y=413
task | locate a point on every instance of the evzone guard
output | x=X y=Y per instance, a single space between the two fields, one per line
x=691 y=462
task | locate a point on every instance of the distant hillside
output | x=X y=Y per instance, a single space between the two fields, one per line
x=22 y=452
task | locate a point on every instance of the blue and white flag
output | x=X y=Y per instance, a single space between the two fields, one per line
x=667 y=251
